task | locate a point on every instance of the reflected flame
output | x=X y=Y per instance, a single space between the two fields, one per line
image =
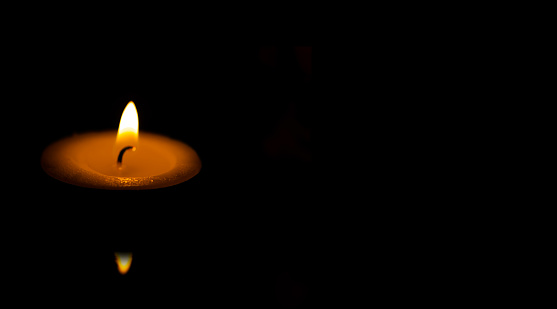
x=128 y=130
x=124 y=261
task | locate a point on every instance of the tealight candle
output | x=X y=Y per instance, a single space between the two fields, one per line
x=123 y=160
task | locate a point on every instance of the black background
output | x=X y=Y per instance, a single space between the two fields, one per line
x=240 y=232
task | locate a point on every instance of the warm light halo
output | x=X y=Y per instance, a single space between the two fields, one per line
x=128 y=129
x=124 y=261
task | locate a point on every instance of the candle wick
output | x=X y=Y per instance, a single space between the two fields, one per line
x=121 y=155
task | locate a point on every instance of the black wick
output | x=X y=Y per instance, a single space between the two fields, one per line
x=122 y=154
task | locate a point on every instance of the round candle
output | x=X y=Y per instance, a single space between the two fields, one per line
x=123 y=160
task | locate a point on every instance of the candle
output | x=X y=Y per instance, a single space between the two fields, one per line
x=123 y=160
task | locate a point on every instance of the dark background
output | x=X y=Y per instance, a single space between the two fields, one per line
x=240 y=232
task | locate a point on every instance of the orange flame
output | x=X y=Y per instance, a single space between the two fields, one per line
x=124 y=261
x=128 y=130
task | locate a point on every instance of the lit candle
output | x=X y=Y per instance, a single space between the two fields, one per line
x=123 y=160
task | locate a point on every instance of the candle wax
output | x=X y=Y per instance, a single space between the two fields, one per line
x=89 y=160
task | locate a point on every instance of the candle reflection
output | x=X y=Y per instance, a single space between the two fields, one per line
x=124 y=261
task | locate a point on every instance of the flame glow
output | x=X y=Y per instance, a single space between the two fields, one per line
x=128 y=130
x=124 y=261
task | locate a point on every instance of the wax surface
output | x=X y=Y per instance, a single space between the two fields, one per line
x=89 y=160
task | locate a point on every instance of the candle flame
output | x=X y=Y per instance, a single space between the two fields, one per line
x=124 y=261
x=128 y=131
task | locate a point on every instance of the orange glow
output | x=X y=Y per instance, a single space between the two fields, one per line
x=128 y=131
x=124 y=261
